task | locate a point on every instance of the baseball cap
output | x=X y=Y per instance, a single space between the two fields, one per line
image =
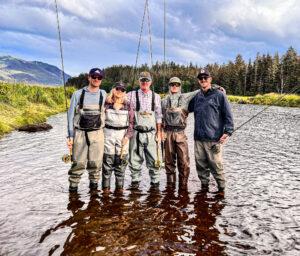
x=174 y=80
x=96 y=72
x=203 y=72
x=119 y=85
x=145 y=74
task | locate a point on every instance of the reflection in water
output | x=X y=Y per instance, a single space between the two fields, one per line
x=258 y=216
x=153 y=223
x=206 y=235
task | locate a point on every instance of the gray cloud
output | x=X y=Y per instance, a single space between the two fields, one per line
x=106 y=31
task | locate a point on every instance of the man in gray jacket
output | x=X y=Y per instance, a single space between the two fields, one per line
x=213 y=125
x=85 y=135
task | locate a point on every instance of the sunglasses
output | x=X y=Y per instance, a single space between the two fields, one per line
x=143 y=80
x=96 y=77
x=120 y=89
x=174 y=84
x=203 y=78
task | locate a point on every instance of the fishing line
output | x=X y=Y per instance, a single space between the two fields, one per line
x=66 y=157
x=294 y=90
x=62 y=61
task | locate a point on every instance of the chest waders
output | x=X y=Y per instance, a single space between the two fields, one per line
x=88 y=141
x=144 y=136
x=115 y=154
x=176 y=145
x=175 y=117
x=144 y=121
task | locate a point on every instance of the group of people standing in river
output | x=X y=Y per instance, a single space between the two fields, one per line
x=109 y=132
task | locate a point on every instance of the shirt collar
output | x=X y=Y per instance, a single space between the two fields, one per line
x=145 y=94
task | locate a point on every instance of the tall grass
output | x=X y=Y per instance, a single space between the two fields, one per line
x=288 y=100
x=22 y=104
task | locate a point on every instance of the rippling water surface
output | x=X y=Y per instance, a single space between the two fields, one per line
x=259 y=215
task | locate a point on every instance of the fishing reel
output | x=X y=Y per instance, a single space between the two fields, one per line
x=216 y=148
x=122 y=161
x=157 y=163
x=66 y=158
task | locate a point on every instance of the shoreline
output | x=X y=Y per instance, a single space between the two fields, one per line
x=22 y=104
x=272 y=99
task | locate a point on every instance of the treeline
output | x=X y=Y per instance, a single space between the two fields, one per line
x=264 y=74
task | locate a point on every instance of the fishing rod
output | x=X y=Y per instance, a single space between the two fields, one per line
x=66 y=157
x=294 y=90
x=215 y=148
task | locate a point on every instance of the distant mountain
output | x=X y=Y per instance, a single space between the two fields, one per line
x=32 y=72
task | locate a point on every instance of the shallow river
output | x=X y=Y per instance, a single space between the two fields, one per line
x=259 y=215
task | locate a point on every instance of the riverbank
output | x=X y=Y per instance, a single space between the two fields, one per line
x=274 y=99
x=22 y=104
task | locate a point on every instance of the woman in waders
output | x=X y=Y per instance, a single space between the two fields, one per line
x=117 y=132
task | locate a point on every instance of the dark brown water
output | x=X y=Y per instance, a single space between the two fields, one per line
x=259 y=215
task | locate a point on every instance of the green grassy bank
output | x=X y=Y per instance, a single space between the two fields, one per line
x=288 y=100
x=22 y=104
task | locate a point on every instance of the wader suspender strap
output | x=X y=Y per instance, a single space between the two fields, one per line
x=82 y=99
x=138 y=107
x=81 y=107
x=169 y=101
x=153 y=101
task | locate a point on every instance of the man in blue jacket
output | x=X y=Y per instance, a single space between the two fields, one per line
x=213 y=125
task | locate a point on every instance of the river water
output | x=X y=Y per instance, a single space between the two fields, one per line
x=259 y=215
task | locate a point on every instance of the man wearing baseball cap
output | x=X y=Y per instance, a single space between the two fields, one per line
x=147 y=131
x=85 y=130
x=213 y=125
x=175 y=113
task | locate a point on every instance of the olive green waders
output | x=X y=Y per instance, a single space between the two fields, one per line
x=88 y=145
x=209 y=161
x=143 y=145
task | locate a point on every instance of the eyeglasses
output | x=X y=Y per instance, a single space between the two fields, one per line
x=203 y=78
x=174 y=84
x=143 y=80
x=120 y=89
x=96 y=77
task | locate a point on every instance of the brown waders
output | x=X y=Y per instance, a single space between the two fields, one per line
x=176 y=147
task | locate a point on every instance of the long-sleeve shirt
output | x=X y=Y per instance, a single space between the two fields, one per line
x=90 y=98
x=183 y=98
x=146 y=102
x=213 y=115
x=129 y=132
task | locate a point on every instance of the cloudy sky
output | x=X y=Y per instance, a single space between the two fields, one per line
x=105 y=32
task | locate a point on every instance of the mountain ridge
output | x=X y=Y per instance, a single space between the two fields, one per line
x=32 y=72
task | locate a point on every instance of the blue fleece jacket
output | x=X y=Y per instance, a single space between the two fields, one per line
x=213 y=115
